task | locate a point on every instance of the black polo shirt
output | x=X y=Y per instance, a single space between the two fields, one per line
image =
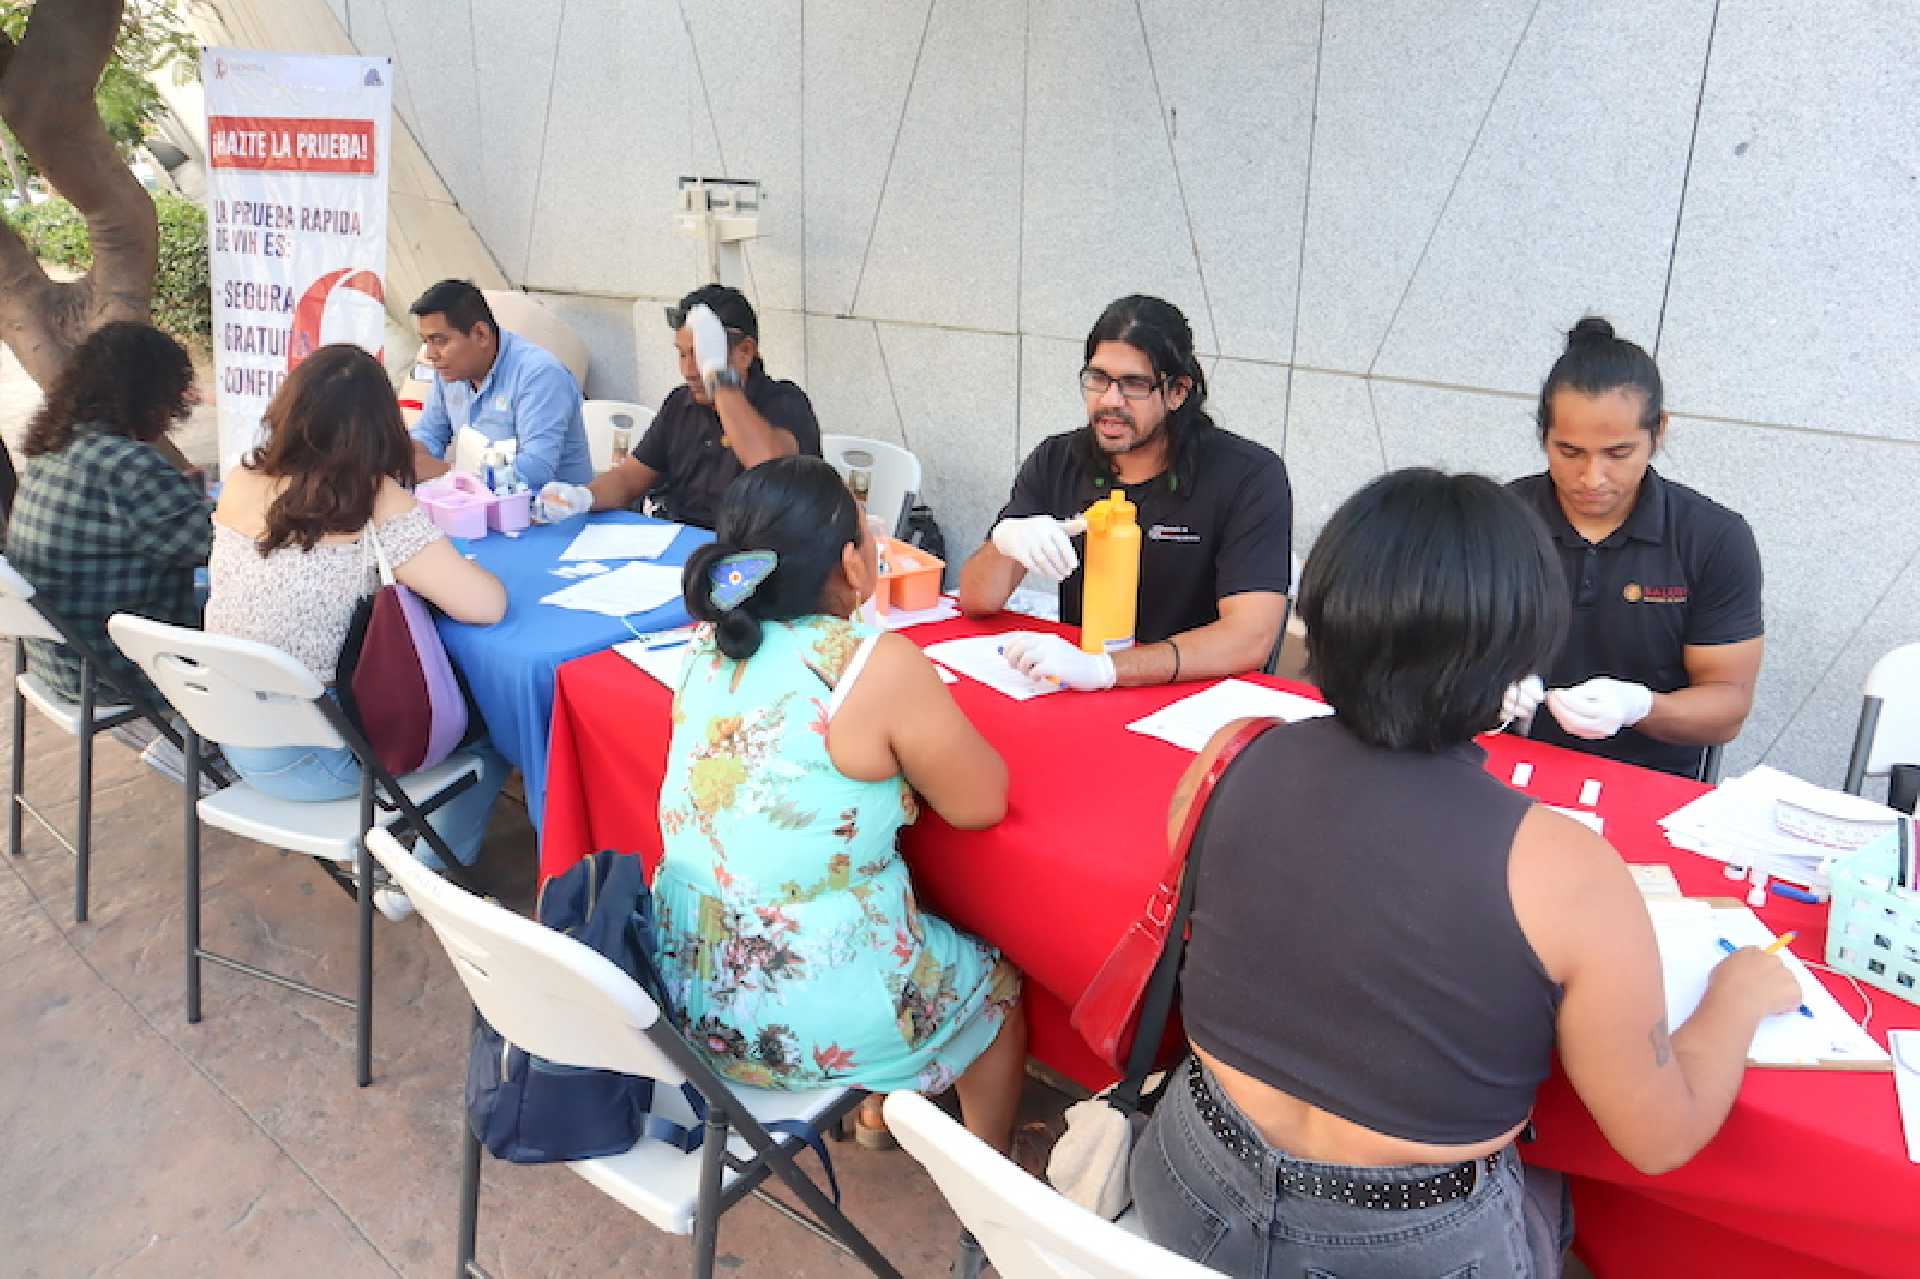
x=683 y=445
x=1217 y=523
x=1683 y=570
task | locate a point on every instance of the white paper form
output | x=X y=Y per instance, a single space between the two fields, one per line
x=1688 y=932
x=665 y=662
x=619 y=541
x=1191 y=722
x=633 y=588
x=1906 y=1084
x=978 y=657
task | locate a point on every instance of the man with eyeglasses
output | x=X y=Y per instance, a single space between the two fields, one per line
x=727 y=417
x=1215 y=513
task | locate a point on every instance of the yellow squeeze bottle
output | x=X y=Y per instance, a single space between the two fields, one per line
x=1110 y=590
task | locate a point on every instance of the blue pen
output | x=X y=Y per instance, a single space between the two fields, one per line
x=1729 y=947
x=1793 y=894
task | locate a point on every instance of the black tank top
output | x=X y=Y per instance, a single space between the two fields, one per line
x=1354 y=943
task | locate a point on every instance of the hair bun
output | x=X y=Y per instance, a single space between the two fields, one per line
x=1591 y=330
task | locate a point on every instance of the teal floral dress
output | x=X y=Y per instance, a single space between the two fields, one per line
x=789 y=935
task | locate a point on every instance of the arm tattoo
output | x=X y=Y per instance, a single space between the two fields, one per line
x=1662 y=1043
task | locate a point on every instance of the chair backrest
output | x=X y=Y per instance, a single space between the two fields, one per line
x=544 y=992
x=1889 y=729
x=1029 y=1231
x=528 y=317
x=20 y=615
x=232 y=691
x=895 y=474
x=603 y=418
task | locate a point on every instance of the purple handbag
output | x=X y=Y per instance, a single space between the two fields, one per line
x=394 y=680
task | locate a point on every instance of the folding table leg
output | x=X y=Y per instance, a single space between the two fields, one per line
x=83 y=838
x=191 y=792
x=706 y=1211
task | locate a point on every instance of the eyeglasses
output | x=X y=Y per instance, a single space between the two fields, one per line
x=677 y=320
x=1132 y=386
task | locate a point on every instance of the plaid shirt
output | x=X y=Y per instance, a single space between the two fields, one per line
x=106 y=526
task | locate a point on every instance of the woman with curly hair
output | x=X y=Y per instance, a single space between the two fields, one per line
x=102 y=522
x=293 y=554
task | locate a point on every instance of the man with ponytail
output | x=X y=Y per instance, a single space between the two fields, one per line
x=1215 y=512
x=1665 y=583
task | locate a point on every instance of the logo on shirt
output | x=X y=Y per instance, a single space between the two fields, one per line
x=1634 y=593
x=500 y=403
x=1171 y=533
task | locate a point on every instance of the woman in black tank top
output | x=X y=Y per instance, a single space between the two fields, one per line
x=1372 y=988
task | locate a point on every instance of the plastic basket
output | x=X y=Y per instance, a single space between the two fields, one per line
x=912 y=579
x=1873 y=929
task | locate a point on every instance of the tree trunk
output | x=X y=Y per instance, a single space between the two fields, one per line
x=14 y=174
x=52 y=114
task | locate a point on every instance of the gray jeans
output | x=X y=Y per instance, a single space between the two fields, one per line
x=1201 y=1200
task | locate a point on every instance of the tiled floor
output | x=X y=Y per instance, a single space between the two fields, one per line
x=137 y=1144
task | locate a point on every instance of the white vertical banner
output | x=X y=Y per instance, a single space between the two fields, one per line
x=297 y=148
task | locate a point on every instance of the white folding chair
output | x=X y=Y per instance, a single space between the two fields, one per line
x=240 y=693
x=894 y=471
x=24 y=616
x=1889 y=728
x=604 y=418
x=555 y=998
x=1027 y=1229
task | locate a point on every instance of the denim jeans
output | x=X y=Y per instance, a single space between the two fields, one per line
x=308 y=774
x=1201 y=1200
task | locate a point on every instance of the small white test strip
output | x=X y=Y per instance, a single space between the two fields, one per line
x=1590 y=793
x=1522 y=774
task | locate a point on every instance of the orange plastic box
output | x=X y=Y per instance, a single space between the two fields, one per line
x=911 y=581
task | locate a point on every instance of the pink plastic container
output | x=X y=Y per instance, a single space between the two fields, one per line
x=458 y=514
x=511 y=513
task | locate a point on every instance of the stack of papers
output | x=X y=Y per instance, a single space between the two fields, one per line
x=1689 y=930
x=632 y=588
x=1191 y=722
x=664 y=659
x=898 y=620
x=979 y=658
x=1036 y=601
x=1734 y=823
x=621 y=541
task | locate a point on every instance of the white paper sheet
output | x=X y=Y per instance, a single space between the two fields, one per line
x=1591 y=821
x=1688 y=932
x=1192 y=721
x=978 y=657
x=621 y=542
x=1906 y=1084
x=1734 y=823
x=664 y=662
x=634 y=588
x=898 y=620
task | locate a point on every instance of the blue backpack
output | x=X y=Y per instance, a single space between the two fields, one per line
x=528 y=1110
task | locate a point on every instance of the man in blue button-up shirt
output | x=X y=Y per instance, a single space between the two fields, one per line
x=502 y=386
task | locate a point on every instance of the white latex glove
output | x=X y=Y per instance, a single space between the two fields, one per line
x=559 y=501
x=1521 y=700
x=709 y=343
x=1601 y=707
x=1040 y=544
x=1050 y=657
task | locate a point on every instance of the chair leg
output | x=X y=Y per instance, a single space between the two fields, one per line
x=17 y=779
x=823 y=1208
x=363 y=999
x=971 y=1259
x=190 y=791
x=469 y=1196
x=706 y=1212
x=83 y=838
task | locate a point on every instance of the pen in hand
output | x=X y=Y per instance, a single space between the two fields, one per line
x=1773 y=947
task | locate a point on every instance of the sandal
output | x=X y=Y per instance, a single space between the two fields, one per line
x=876 y=1135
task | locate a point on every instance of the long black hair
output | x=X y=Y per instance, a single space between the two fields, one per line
x=1596 y=362
x=798 y=508
x=1426 y=595
x=1158 y=330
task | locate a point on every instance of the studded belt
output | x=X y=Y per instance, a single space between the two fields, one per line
x=1442 y=1187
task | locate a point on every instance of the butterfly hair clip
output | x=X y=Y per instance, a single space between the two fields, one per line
x=736 y=577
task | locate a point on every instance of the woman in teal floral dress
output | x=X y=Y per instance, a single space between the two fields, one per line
x=790 y=937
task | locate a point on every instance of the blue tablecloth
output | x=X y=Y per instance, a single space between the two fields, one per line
x=510 y=665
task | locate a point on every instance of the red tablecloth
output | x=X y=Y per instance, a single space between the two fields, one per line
x=1809 y=1177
